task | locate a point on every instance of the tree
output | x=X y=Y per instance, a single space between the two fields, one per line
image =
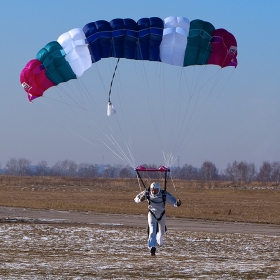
x=208 y=171
x=42 y=168
x=69 y=168
x=188 y=172
x=18 y=167
x=241 y=171
x=56 y=169
x=64 y=168
x=265 y=172
x=275 y=173
x=24 y=166
x=110 y=172
x=87 y=170
x=126 y=172
x=12 y=167
x=176 y=172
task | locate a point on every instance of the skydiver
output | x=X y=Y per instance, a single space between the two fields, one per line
x=156 y=198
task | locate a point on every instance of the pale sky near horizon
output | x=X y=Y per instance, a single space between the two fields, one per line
x=240 y=122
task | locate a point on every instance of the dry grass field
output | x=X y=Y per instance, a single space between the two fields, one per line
x=45 y=251
x=220 y=201
x=49 y=250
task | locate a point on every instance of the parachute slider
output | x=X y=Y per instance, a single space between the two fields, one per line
x=110 y=109
x=160 y=169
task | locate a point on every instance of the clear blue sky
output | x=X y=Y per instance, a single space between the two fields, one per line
x=240 y=122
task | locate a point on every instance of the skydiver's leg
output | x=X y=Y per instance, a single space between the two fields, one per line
x=152 y=222
x=161 y=230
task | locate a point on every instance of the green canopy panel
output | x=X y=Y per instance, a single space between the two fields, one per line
x=58 y=69
x=198 y=47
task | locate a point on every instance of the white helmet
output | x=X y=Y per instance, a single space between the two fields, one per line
x=154 y=189
x=155 y=185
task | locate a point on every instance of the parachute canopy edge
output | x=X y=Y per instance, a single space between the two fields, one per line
x=173 y=40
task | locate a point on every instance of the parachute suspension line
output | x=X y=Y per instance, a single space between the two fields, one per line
x=176 y=119
x=152 y=114
x=191 y=120
x=63 y=102
x=112 y=140
x=59 y=122
x=122 y=113
x=100 y=77
x=168 y=159
x=128 y=145
x=109 y=100
x=162 y=91
x=207 y=113
x=59 y=90
x=138 y=179
x=173 y=184
x=83 y=92
x=167 y=155
x=149 y=103
x=87 y=93
x=183 y=125
x=129 y=158
x=123 y=158
x=129 y=148
x=122 y=152
x=206 y=82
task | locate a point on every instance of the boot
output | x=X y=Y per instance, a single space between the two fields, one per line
x=153 y=251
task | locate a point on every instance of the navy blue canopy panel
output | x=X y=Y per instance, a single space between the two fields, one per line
x=150 y=32
x=118 y=34
x=98 y=35
x=124 y=38
x=131 y=38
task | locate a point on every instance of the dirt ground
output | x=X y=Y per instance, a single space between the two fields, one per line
x=51 y=244
x=10 y=214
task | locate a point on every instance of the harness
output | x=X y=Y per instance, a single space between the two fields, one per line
x=163 y=200
x=160 y=169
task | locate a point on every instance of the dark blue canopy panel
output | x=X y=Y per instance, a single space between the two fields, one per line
x=131 y=38
x=150 y=32
x=98 y=35
x=124 y=38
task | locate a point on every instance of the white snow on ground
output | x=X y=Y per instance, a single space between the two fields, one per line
x=43 y=251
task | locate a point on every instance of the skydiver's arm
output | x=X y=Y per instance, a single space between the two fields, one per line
x=140 y=197
x=172 y=200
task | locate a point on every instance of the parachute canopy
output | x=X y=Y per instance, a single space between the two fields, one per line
x=173 y=40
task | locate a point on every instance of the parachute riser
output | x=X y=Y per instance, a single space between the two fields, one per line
x=141 y=180
x=160 y=169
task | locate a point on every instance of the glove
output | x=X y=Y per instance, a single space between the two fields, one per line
x=137 y=199
x=178 y=202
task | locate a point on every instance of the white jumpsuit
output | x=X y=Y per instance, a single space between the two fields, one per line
x=155 y=218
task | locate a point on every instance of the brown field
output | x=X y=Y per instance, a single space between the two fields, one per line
x=56 y=248
x=219 y=201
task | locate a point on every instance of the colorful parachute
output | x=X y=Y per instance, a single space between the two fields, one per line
x=174 y=40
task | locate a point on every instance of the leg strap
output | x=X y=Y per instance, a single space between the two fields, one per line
x=161 y=215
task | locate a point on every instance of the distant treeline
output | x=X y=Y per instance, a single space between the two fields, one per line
x=236 y=171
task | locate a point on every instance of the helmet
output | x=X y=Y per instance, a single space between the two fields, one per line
x=155 y=185
x=155 y=189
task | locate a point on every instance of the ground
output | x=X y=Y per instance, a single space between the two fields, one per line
x=50 y=244
x=140 y=221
